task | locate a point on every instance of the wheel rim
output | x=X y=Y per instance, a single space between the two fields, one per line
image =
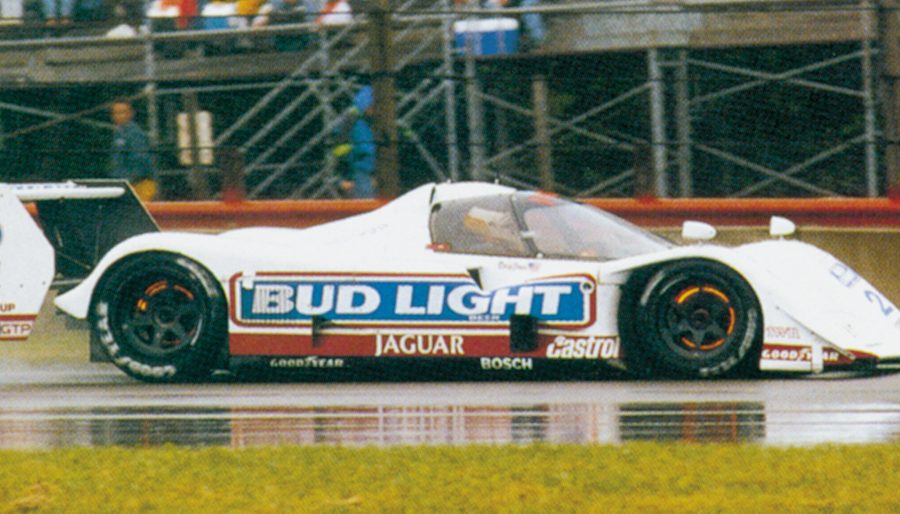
x=160 y=318
x=699 y=319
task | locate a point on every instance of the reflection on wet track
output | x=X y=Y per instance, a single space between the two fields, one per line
x=91 y=407
x=588 y=423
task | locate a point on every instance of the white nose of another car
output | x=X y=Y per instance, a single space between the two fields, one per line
x=829 y=297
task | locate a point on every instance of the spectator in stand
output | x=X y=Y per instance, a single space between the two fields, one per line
x=356 y=151
x=335 y=12
x=131 y=156
x=533 y=23
x=279 y=12
x=276 y=12
x=312 y=8
x=124 y=20
x=58 y=12
x=247 y=8
x=189 y=12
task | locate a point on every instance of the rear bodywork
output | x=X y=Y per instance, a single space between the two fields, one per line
x=72 y=225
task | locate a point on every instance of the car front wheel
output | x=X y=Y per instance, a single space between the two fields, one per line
x=693 y=319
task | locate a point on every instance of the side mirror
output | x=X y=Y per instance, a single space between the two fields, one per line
x=781 y=227
x=697 y=231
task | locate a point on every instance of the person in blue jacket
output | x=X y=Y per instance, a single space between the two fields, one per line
x=131 y=155
x=357 y=148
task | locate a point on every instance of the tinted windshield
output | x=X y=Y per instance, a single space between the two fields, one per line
x=564 y=229
x=533 y=224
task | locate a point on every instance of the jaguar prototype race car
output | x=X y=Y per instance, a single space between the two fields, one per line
x=465 y=278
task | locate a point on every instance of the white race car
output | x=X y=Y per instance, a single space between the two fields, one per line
x=466 y=279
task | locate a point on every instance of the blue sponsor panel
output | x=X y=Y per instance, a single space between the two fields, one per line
x=296 y=299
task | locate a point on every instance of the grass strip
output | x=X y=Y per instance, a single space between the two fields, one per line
x=635 y=477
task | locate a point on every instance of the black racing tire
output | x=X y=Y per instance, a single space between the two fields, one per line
x=160 y=317
x=690 y=319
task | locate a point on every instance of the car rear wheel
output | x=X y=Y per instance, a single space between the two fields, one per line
x=692 y=318
x=160 y=317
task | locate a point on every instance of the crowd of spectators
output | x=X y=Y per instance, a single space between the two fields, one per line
x=122 y=18
x=85 y=16
x=37 y=18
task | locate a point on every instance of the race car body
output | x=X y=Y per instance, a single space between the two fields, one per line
x=79 y=222
x=474 y=278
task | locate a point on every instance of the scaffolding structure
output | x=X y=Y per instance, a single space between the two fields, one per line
x=660 y=119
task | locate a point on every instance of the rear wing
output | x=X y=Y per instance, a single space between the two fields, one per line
x=72 y=225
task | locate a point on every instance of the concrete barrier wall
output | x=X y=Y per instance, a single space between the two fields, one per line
x=826 y=212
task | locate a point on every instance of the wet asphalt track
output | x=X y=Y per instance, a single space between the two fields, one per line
x=94 y=404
